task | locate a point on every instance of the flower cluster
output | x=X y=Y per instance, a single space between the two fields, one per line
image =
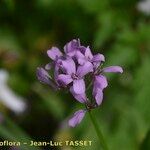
x=73 y=69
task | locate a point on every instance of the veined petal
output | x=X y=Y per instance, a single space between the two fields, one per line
x=100 y=82
x=65 y=79
x=77 y=117
x=84 y=69
x=98 y=58
x=79 y=86
x=79 y=97
x=116 y=69
x=54 y=53
x=69 y=66
x=88 y=53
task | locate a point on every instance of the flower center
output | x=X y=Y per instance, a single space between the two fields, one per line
x=74 y=76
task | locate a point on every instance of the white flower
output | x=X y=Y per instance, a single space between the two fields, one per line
x=8 y=97
x=144 y=6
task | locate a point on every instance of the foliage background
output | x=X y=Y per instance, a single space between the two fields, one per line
x=114 y=28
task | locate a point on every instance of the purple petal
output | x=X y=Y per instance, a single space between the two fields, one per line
x=79 y=97
x=79 y=86
x=80 y=58
x=88 y=53
x=54 y=53
x=48 y=66
x=79 y=55
x=65 y=79
x=116 y=69
x=77 y=118
x=82 y=49
x=71 y=46
x=100 y=82
x=85 y=69
x=82 y=61
x=69 y=66
x=56 y=71
x=71 y=54
x=98 y=58
x=98 y=96
x=44 y=77
x=96 y=65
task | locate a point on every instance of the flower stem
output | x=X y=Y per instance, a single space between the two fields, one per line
x=98 y=131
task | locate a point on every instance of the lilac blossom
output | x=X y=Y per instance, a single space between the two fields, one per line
x=54 y=53
x=43 y=75
x=72 y=47
x=45 y=78
x=88 y=57
x=74 y=75
x=100 y=82
x=115 y=69
x=71 y=68
x=77 y=118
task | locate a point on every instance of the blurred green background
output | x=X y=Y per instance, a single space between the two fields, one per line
x=115 y=28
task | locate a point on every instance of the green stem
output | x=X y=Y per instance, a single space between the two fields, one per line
x=98 y=131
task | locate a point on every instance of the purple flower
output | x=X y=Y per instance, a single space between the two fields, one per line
x=54 y=53
x=88 y=57
x=43 y=75
x=115 y=69
x=45 y=78
x=77 y=117
x=72 y=69
x=100 y=82
x=72 y=47
x=75 y=76
x=79 y=97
